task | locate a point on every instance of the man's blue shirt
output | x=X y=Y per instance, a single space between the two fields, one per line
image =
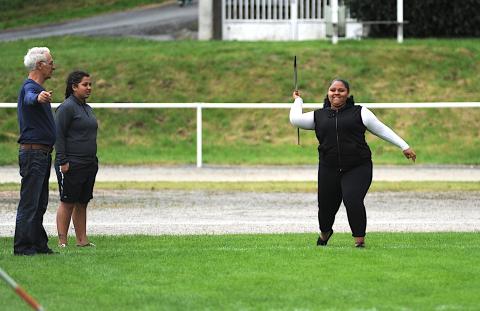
x=35 y=120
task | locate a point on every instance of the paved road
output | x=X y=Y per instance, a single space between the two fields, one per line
x=162 y=22
x=262 y=173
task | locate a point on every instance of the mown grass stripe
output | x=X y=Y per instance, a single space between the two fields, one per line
x=307 y=186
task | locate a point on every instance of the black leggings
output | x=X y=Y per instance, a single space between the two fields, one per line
x=351 y=186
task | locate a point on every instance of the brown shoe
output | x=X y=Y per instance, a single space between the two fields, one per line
x=86 y=245
x=360 y=245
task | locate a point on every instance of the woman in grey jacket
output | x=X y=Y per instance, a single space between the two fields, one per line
x=76 y=162
x=345 y=159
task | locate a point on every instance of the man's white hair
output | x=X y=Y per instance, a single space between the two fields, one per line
x=35 y=55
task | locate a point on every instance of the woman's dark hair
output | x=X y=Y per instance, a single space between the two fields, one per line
x=74 y=78
x=345 y=83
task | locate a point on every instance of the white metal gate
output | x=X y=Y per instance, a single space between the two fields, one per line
x=274 y=19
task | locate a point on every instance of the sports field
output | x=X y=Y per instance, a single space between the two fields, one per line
x=423 y=239
x=404 y=270
x=398 y=271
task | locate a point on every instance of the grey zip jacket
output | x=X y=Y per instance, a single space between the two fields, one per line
x=76 y=132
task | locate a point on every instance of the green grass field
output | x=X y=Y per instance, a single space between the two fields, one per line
x=397 y=271
x=130 y=70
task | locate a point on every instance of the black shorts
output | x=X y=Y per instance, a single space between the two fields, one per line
x=76 y=185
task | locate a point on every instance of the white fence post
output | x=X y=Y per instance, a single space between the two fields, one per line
x=294 y=19
x=199 y=135
x=399 y=21
x=334 y=4
x=205 y=19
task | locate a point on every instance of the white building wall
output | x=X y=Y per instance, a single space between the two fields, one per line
x=272 y=30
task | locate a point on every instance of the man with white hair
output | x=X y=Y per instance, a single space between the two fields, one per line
x=37 y=137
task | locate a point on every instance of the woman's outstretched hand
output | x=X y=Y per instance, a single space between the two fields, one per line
x=296 y=94
x=410 y=154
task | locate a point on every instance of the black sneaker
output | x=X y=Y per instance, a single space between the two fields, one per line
x=47 y=251
x=321 y=242
x=24 y=253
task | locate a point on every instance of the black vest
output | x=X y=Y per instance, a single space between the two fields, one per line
x=341 y=137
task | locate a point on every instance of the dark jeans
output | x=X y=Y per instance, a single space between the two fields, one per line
x=30 y=236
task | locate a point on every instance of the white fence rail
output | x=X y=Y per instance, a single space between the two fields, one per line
x=200 y=106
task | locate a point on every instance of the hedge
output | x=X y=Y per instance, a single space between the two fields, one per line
x=426 y=18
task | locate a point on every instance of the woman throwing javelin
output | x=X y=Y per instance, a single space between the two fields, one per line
x=345 y=159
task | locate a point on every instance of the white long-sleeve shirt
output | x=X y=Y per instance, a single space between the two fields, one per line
x=306 y=121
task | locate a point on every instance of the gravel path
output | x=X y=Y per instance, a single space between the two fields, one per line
x=207 y=212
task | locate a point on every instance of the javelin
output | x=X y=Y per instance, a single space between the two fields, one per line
x=20 y=291
x=296 y=89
